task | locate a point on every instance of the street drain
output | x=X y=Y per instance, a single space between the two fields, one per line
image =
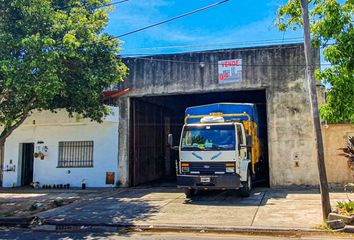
x=68 y=228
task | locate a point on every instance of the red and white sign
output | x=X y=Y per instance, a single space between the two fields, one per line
x=230 y=71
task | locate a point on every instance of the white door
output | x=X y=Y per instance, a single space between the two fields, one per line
x=241 y=140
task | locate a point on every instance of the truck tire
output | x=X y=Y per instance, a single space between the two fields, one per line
x=189 y=193
x=247 y=186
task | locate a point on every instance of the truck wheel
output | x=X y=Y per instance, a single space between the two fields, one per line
x=247 y=186
x=189 y=193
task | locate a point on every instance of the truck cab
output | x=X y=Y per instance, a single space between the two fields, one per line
x=215 y=152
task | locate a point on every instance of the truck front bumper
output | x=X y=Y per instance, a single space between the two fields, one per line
x=231 y=181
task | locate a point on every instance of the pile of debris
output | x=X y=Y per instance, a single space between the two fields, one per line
x=340 y=223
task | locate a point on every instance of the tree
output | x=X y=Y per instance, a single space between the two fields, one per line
x=332 y=29
x=53 y=55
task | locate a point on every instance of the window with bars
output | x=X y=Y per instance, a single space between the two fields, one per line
x=75 y=154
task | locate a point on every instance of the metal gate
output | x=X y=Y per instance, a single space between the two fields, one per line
x=148 y=152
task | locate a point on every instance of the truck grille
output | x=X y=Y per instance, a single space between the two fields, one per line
x=207 y=168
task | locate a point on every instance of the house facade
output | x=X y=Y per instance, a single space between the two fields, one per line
x=55 y=150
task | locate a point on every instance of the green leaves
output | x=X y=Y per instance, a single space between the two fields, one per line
x=53 y=54
x=332 y=29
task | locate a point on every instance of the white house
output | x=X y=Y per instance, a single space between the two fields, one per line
x=53 y=149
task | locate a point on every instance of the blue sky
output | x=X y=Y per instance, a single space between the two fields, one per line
x=234 y=22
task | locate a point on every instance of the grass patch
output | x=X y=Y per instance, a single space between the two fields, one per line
x=323 y=227
x=346 y=207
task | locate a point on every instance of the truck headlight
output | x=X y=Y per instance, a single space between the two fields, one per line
x=230 y=167
x=185 y=167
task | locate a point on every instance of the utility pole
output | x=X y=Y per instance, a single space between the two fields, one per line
x=326 y=205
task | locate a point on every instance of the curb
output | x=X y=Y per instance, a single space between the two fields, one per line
x=37 y=224
x=51 y=226
x=16 y=221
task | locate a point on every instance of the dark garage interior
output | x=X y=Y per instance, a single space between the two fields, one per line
x=154 y=117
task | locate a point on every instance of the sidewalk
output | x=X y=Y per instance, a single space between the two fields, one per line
x=20 y=203
x=166 y=207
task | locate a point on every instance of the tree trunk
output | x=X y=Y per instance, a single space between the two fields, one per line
x=326 y=206
x=7 y=131
x=9 y=128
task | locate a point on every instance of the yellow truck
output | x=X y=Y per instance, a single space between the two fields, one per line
x=219 y=148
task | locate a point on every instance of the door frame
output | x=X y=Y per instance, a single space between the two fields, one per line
x=22 y=164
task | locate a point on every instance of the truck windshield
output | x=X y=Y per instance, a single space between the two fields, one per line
x=208 y=138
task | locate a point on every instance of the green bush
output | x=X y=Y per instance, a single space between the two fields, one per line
x=346 y=208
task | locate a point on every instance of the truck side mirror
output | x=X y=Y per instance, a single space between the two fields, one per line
x=170 y=139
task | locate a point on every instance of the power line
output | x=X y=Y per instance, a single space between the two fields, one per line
x=115 y=3
x=171 y=19
x=279 y=45
x=215 y=63
x=214 y=51
x=112 y=3
x=266 y=41
x=103 y=6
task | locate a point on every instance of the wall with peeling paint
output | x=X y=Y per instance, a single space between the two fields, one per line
x=279 y=70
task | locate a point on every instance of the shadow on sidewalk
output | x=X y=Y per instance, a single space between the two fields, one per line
x=108 y=211
x=258 y=197
x=145 y=204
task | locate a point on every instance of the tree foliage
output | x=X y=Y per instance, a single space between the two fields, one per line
x=54 y=54
x=332 y=29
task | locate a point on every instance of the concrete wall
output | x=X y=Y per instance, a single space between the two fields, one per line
x=334 y=137
x=279 y=70
x=52 y=128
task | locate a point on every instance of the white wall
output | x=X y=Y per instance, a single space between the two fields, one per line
x=52 y=128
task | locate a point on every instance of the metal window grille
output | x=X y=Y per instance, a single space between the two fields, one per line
x=75 y=154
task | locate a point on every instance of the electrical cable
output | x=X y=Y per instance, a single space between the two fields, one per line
x=265 y=41
x=210 y=63
x=114 y=3
x=214 y=51
x=171 y=19
x=103 y=6
x=278 y=46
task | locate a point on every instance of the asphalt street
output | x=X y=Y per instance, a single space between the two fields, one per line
x=24 y=234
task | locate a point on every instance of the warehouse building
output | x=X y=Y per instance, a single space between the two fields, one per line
x=161 y=87
x=130 y=147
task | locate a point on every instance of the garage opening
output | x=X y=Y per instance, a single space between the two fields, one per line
x=154 y=117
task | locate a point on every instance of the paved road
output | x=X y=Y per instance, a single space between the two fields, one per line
x=18 y=234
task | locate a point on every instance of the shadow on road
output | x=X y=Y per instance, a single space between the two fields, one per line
x=23 y=234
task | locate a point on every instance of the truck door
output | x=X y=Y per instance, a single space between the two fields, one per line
x=241 y=137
